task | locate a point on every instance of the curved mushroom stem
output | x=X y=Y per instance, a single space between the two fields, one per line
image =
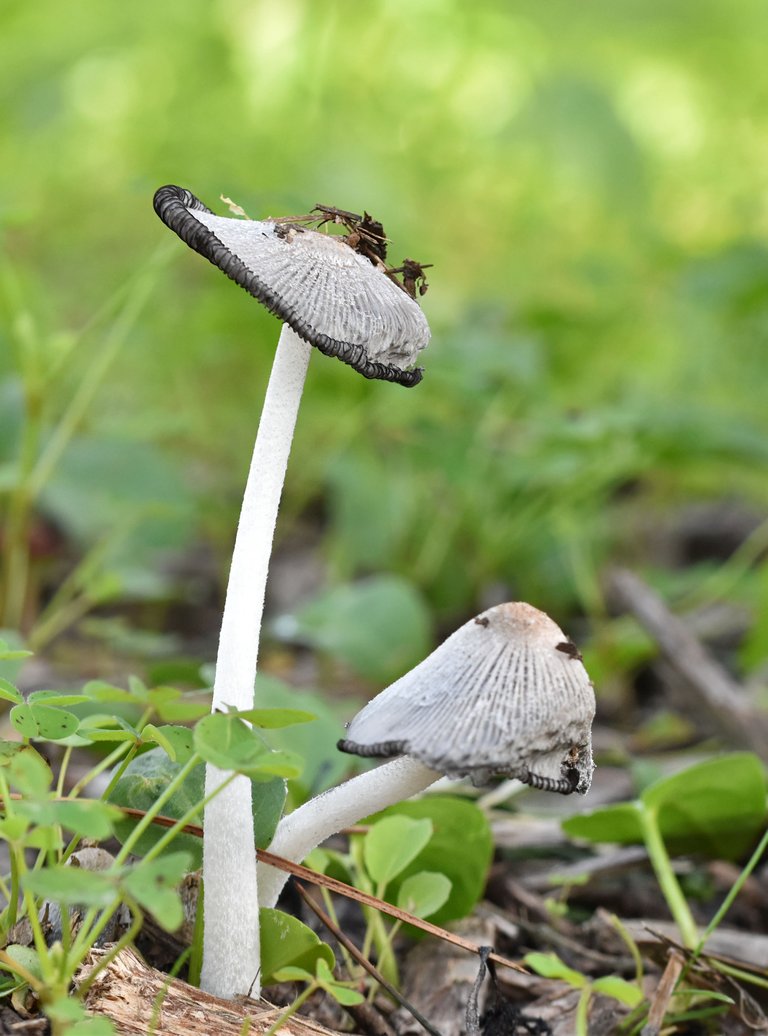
x=325 y=815
x=231 y=954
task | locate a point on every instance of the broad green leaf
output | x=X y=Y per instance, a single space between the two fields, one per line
x=176 y=742
x=424 y=893
x=619 y=823
x=391 y=844
x=72 y=886
x=550 y=966
x=10 y=693
x=43 y=721
x=154 y=886
x=461 y=848
x=231 y=744
x=717 y=807
x=395 y=635
x=149 y=774
x=625 y=992
x=285 y=942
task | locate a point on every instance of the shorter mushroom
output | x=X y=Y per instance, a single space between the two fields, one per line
x=506 y=694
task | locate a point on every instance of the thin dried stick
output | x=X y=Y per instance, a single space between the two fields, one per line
x=333 y=885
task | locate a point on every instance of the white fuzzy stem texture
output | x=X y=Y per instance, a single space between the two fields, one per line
x=325 y=815
x=231 y=952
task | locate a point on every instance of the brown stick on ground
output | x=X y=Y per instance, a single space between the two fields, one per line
x=663 y=995
x=140 y=1000
x=705 y=684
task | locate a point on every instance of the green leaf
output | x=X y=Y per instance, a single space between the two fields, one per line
x=10 y=654
x=25 y=956
x=424 y=893
x=13 y=829
x=395 y=616
x=149 y=774
x=153 y=884
x=89 y=818
x=29 y=773
x=72 y=886
x=43 y=721
x=99 y=690
x=625 y=992
x=8 y=749
x=341 y=993
x=315 y=742
x=10 y=693
x=461 y=848
x=285 y=941
x=59 y=699
x=619 y=823
x=391 y=844
x=176 y=742
x=550 y=966
x=103 y=727
x=273 y=719
x=230 y=744
x=182 y=710
x=72 y=1018
x=717 y=808
x=289 y=974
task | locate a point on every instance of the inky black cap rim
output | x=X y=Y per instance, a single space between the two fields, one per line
x=172 y=204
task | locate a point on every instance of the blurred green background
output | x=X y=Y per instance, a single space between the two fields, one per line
x=589 y=182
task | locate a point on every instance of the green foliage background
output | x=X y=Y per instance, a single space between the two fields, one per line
x=589 y=181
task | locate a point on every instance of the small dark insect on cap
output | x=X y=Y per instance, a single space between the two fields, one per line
x=498 y=697
x=332 y=296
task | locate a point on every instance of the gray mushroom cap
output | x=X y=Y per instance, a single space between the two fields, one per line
x=506 y=694
x=332 y=296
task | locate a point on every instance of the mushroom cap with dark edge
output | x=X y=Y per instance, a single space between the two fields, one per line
x=332 y=296
x=506 y=694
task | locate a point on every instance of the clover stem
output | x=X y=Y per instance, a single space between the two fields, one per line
x=231 y=953
x=666 y=878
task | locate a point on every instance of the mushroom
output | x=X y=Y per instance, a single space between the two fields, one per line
x=506 y=694
x=335 y=294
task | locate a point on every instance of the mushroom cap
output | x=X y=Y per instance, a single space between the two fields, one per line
x=505 y=694
x=332 y=296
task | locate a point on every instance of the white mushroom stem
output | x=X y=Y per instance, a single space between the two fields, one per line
x=231 y=952
x=325 y=815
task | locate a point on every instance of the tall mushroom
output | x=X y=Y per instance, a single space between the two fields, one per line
x=506 y=694
x=334 y=293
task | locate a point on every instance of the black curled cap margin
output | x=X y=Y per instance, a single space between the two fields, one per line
x=172 y=205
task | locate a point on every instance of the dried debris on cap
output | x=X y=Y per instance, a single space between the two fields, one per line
x=506 y=694
x=334 y=291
